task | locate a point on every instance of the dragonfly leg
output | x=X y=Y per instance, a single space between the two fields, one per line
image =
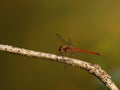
x=62 y=53
x=69 y=54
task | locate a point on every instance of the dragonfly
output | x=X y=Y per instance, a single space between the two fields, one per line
x=69 y=48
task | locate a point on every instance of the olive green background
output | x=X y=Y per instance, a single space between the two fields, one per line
x=33 y=24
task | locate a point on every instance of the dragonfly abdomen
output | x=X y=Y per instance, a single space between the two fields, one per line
x=86 y=51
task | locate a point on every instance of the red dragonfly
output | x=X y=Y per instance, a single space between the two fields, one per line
x=69 y=48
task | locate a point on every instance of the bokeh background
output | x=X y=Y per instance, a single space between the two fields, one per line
x=33 y=24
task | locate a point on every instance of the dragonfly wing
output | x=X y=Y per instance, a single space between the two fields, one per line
x=60 y=38
x=70 y=43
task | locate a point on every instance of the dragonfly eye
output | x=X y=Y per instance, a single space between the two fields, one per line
x=61 y=49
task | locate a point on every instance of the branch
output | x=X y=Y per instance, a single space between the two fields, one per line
x=91 y=68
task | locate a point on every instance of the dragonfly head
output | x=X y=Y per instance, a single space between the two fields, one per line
x=61 y=49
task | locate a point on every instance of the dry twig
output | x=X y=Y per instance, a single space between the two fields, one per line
x=91 y=68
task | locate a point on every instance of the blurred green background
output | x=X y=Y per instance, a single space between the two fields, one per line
x=33 y=24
